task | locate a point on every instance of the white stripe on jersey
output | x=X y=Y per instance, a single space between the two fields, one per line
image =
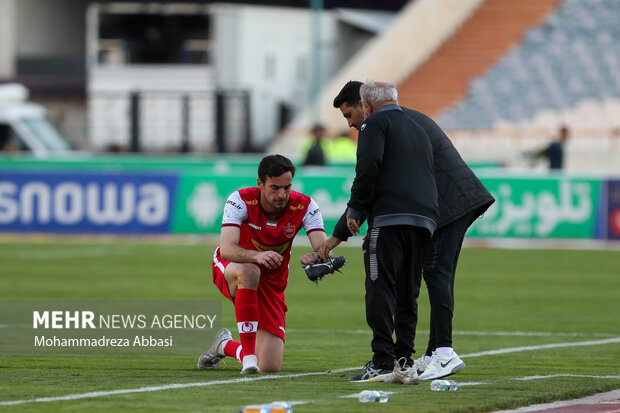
x=235 y=210
x=313 y=218
x=217 y=262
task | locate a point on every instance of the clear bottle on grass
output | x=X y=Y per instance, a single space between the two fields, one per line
x=375 y=396
x=444 y=385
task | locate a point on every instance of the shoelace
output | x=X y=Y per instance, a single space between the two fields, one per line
x=402 y=362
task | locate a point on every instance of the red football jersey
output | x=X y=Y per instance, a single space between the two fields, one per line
x=260 y=233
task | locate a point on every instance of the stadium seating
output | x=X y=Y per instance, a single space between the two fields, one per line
x=569 y=64
x=491 y=30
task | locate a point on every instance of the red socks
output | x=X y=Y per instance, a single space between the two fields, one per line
x=246 y=310
x=233 y=349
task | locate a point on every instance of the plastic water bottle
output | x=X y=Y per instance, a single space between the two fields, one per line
x=373 y=396
x=444 y=385
x=280 y=407
x=274 y=407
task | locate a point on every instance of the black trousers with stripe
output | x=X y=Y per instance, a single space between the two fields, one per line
x=393 y=259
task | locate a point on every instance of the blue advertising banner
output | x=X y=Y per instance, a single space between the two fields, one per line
x=86 y=202
x=613 y=210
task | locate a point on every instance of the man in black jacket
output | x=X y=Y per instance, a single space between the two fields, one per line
x=395 y=191
x=462 y=199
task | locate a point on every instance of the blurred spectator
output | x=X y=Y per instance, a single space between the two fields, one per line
x=315 y=155
x=555 y=151
x=321 y=150
x=116 y=148
x=8 y=140
x=343 y=149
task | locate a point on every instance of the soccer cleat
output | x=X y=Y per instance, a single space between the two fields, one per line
x=405 y=373
x=250 y=365
x=404 y=376
x=370 y=374
x=320 y=269
x=211 y=358
x=442 y=366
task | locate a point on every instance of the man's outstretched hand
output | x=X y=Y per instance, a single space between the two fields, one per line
x=328 y=245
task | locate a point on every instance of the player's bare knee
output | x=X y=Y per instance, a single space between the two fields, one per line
x=248 y=276
x=269 y=367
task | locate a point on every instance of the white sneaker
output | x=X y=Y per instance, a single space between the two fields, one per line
x=211 y=358
x=442 y=366
x=250 y=365
x=420 y=365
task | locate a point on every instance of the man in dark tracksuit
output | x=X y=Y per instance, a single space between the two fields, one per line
x=395 y=190
x=462 y=199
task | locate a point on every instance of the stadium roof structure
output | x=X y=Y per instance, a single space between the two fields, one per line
x=371 y=21
x=391 y=5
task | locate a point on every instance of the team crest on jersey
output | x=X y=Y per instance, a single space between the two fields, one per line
x=295 y=208
x=252 y=202
x=277 y=248
x=289 y=230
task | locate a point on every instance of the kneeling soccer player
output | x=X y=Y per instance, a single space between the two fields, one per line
x=250 y=266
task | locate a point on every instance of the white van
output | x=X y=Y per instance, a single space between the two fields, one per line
x=24 y=126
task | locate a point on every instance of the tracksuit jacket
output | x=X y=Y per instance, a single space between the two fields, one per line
x=458 y=189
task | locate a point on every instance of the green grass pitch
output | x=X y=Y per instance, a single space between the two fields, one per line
x=555 y=313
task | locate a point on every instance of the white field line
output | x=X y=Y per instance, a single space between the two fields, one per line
x=530 y=334
x=526 y=378
x=542 y=347
x=458 y=333
x=462 y=333
x=59 y=254
x=530 y=378
x=163 y=387
x=275 y=376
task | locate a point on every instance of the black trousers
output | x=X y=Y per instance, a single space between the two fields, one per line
x=393 y=259
x=439 y=272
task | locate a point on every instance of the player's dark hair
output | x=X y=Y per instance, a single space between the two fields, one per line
x=350 y=94
x=274 y=165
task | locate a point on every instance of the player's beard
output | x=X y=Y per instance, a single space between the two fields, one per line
x=278 y=204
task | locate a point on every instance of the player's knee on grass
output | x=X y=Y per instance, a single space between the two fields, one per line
x=269 y=350
x=270 y=362
x=269 y=368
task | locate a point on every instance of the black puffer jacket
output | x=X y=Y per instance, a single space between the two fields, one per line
x=459 y=189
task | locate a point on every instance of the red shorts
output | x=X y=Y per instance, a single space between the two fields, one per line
x=271 y=306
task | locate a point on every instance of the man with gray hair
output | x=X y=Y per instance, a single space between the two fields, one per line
x=462 y=200
x=393 y=152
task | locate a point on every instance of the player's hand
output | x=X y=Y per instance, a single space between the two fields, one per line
x=353 y=225
x=326 y=247
x=309 y=258
x=269 y=259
